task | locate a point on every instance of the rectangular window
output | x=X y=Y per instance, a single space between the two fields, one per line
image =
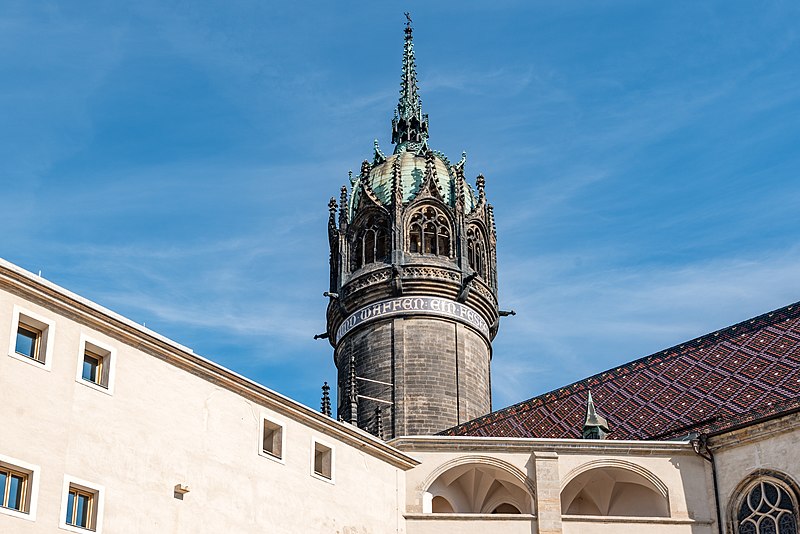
x=272 y=442
x=323 y=461
x=18 y=481
x=96 y=364
x=13 y=485
x=27 y=344
x=31 y=338
x=79 y=508
x=92 y=367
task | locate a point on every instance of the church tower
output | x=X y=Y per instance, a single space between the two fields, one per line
x=413 y=285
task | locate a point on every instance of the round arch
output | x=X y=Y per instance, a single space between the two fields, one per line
x=478 y=484
x=610 y=487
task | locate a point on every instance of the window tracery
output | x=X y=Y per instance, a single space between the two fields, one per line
x=371 y=243
x=429 y=233
x=767 y=508
x=476 y=251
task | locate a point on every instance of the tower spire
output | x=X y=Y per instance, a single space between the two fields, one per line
x=409 y=125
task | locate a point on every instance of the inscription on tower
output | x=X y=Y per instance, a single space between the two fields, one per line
x=421 y=305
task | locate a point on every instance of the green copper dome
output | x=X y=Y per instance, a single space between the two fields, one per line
x=412 y=172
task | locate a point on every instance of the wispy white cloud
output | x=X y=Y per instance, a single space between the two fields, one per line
x=571 y=324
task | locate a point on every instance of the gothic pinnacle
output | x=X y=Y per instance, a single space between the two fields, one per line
x=343 y=206
x=326 y=400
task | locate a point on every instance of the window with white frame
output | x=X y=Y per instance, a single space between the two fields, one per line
x=272 y=439
x=31 y=338
x=18 y=485
x=322 y=460
x=81 y=506
x=96 y=364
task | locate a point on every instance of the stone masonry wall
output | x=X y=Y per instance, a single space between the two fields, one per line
x=439 y=368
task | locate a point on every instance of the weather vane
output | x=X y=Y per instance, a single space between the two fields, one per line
x=408 y=17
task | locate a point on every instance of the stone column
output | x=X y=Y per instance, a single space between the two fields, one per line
x=548 y=492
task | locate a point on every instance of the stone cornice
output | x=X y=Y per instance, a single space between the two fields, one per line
x=31 y=287
x=756 y=431
x=531 y=445
x=470 y=517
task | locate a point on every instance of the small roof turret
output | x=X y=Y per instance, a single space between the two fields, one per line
x=595 y=426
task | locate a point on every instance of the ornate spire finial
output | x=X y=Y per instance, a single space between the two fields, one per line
x=409 y=125
x=490 y=215
x=326 y=399
x=365 y=168
x=380 y=157
x=397 y=185
x=480 y=183
x=462 y=161
x=343 y=206
x=332 y=215
x=596 y=426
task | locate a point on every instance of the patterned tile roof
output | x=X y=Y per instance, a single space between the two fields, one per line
x=721 y=380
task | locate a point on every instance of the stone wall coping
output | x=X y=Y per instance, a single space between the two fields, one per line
x=633 y=519
x=560 y=446
x=49 y=294
x=470 y=517
x=564 y=518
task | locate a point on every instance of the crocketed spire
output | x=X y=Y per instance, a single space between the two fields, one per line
x=409 y=125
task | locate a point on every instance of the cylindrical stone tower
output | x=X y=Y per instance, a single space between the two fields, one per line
x=413 y=289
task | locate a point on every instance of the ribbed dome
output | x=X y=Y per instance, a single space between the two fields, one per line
x=412 y=173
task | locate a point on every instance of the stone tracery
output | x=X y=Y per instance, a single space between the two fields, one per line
x=429 y=233
x=371 y=243
x=767 y=506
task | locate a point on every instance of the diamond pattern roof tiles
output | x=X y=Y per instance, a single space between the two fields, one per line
x=723 y=379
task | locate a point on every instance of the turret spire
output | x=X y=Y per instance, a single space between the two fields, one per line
x=596 y=426
x=410 y=125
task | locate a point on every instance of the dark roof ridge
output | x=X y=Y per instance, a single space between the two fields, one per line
x=746 y=326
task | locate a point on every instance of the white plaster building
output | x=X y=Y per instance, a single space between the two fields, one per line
x=162 y=440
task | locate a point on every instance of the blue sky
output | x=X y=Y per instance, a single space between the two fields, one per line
x=173 y=161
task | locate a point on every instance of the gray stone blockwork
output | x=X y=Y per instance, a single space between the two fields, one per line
x=439 y=368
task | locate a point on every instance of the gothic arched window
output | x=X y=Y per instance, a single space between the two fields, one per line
x=476 y=251
x=371 y=243
x=767 y=507
x=429 y=233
